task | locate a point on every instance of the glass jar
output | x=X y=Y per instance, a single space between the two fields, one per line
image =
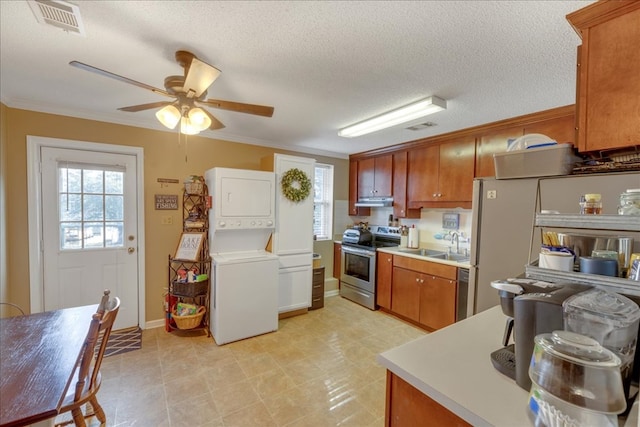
x=591 y=204
x=630 y=202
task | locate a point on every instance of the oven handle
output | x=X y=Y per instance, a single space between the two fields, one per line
x=356 y=251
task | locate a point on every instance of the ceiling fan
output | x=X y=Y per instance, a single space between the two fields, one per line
x=189 y=92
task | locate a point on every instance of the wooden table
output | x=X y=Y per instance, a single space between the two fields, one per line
x=37 y=355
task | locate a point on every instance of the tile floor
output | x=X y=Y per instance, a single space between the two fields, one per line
x=318 y=369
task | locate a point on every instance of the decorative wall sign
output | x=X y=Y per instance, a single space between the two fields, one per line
x=169 y=180
x=166 y=202
x=189 y=246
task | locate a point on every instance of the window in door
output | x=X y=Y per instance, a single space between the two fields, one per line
x=91 y=206
x=323 y=202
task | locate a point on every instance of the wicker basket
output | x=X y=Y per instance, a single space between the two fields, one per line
x=195 y=187
x=190 y=289
x=191 y=321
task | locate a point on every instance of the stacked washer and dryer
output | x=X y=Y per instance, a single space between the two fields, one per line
x=244 y=293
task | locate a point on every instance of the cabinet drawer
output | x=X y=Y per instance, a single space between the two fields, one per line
x=426 y=267
x=317 y=290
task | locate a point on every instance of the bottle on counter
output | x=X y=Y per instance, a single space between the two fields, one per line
x=591 y=204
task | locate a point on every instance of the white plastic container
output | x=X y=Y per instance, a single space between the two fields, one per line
x=551 y=160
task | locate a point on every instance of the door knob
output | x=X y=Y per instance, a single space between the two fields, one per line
x=131 y=250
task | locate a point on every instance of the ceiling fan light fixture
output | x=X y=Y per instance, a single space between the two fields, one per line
x=404 y=114
x=187 y=128
x=169 y=116
x=199 y=118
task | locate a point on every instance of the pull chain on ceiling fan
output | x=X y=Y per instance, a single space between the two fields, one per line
x=189 y=91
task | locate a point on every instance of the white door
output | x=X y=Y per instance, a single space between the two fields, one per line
x=89 y=229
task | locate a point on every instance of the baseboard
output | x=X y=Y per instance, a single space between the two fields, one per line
x=154 y=324
x=332 y=293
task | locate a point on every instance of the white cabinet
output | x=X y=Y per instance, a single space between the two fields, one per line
x=292 y=239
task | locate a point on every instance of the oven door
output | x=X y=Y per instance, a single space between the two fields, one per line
x=359 y=268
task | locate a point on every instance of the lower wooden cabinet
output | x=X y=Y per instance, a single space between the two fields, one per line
x=437 y=302
x=384 y=270
x=423 y=292
x=337 y=260
x=407 y=406
x=317 y=289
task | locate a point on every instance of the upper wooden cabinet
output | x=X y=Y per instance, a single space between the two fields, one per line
x=441 y=175
x=375 y=177
x=491 y=143
x=353 y=191
x=560 y=129
x=608 y=101
x=400 y=208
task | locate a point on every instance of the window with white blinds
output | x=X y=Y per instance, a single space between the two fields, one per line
x=323 y=202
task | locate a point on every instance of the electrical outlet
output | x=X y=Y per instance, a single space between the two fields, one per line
x=492 y=194
x=167 y=220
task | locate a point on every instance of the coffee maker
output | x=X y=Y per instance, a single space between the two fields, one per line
x=533 y=307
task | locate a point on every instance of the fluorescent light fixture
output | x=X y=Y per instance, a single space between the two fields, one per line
x=413 y=111
x=169 y=116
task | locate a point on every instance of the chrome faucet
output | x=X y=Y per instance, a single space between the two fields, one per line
x=456 y=236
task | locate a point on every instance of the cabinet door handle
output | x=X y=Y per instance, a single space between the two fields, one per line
x=417 y=280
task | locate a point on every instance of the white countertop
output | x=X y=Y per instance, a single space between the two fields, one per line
x=452 y=366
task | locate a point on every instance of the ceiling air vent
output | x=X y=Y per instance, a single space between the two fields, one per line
x=59 y=14
x=421 y=126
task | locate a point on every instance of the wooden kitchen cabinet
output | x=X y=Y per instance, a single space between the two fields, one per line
x=491 y=143
x=408 y=406
x=337 y=260
x=405 y=293
x=400 y=209
x=441 y=175
x=608 y=75
x=424 y=292
x=384 y=273
x=560 y=127
x=437 y=302
x=353 y=191
x=375 y=176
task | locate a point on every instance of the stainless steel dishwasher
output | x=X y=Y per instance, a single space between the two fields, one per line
x=463 y=287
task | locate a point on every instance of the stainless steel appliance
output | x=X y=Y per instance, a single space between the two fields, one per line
x=358 y=275
x=502 y=222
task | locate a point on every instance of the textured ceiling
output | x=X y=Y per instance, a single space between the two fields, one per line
x=321 y=65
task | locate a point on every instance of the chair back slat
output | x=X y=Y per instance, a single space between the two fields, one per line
x=89 y=360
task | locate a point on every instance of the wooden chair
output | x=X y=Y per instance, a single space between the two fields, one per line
x=88 y=366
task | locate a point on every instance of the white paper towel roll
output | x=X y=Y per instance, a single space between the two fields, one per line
x=414 y=238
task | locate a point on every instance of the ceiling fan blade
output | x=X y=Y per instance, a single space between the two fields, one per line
x=96 y=70
x=141 y=107
x=258 y=110
x=215 y=123
x=199 y=77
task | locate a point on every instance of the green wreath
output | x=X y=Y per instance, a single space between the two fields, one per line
x=295 y=185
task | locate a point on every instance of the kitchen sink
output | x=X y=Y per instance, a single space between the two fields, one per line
x=432 y=253
x=450 y=257
x=423 y=252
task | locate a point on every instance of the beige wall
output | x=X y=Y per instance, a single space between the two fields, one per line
x=164 y=157
x=4 y=291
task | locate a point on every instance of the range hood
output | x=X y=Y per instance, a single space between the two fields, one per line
x=374 y=202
